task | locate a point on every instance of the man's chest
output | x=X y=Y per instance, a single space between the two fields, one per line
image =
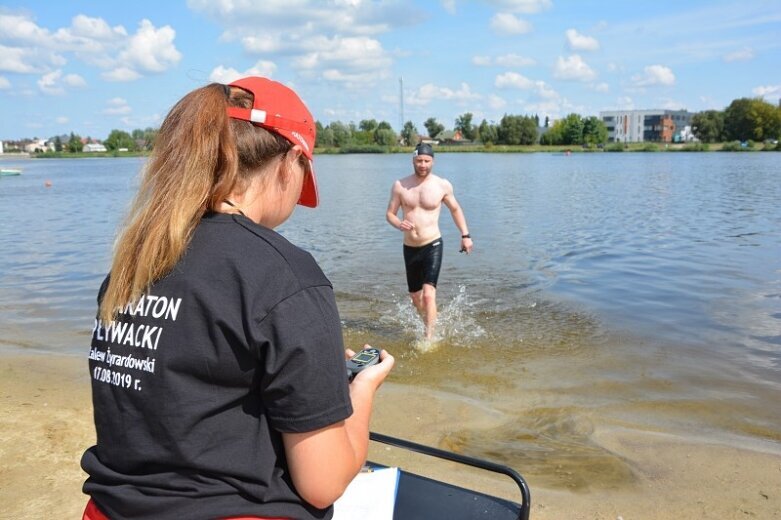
x=424 y=197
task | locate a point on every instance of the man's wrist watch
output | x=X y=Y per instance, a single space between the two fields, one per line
x=466 y=236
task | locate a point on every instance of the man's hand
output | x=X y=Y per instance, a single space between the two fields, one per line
x=406 y=225
x=466 y=245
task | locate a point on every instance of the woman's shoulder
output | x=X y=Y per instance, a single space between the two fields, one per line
x=263 y=251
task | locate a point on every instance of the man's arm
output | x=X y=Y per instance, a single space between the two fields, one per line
x=393 y=209
x=323 y=462
x=459 y=219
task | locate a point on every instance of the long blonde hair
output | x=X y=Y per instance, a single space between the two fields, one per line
x=200 y=157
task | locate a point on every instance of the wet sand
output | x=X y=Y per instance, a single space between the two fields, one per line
x=46 y=423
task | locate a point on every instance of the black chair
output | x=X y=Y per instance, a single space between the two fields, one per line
x=422 y=498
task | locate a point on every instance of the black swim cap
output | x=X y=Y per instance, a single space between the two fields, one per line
x=423 y=149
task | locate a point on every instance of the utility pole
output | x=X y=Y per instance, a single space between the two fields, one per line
x=401 y=103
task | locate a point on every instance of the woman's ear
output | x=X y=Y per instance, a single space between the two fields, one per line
x=289 y=160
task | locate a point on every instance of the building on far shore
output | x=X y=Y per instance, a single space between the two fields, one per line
x=94 y=147
x=660 y=126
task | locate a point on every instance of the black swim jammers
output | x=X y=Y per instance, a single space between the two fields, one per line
x=423 y=264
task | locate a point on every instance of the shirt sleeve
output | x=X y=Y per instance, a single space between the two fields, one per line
x=304 y=380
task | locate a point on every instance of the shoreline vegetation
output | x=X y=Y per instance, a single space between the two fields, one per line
x=646 y=147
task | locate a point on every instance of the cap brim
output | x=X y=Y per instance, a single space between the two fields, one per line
x=309 y=197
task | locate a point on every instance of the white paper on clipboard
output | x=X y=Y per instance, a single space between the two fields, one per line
x=370 y=496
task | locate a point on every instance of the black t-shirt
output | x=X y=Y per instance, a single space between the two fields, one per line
x=194 y=383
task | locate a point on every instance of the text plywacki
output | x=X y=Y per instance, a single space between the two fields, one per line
x=136 y=335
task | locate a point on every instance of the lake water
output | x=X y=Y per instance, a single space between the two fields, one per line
x=618 y=290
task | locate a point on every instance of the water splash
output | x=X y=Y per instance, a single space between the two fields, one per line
x=457 y=322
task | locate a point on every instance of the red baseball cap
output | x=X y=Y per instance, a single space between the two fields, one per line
x=278 y=109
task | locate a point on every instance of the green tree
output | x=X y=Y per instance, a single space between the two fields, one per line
x=554 y=135
x=708 y=126
x=119 y=139
x=57 y=144
x=751 y=119
x=515 y=129
x=572 y=132
x=464 y=123
x=367 y=125
x=510 y=130
x=384 y=125
x=342 y=134
x=528 y=130
x=594 y=131
x=433 y=128
x=324 y=137
x=488 y=133
x=150 y=134
x=409 y=134
x=385 y=137
x=328 y=137
x=74 y=143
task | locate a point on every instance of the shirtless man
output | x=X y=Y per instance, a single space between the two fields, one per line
x=420 y=197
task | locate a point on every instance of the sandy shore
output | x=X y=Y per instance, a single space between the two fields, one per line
x=46 y=423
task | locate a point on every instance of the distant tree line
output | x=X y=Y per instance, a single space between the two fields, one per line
x=745 y=119
x=511 y=130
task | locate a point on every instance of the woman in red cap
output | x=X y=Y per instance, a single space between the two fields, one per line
x=218 y=368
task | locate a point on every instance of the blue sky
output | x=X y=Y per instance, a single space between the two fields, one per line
x=90 y=67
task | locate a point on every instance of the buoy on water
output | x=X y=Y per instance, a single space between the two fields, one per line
x=48 y=183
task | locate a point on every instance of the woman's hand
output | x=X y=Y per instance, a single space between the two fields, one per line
x=373 y=375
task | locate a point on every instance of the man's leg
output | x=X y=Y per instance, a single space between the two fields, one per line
x=417 y=302
x=429 y=305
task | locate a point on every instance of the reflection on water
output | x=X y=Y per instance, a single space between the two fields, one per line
x=636 y=291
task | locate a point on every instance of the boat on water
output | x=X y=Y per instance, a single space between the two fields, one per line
x=6 y=172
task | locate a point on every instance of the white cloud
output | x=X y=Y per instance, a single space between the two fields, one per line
x=121 y=74
x=573 y=68
x=95 y=28
x=522 y=6
x=49 y=83
x=767 y=91
x=509 y=24
x=601 y=87
x=744 y=54
x=92 y=40
x=580 y=42
x=514 y=60
x=117 y=107
x=4 y=83
x=496 y=102
x=21 y=29
x=151 y=49
x=430 y=92
x=514 y=80
x=22 y=60
x=74 y=80
x=61 y=120
x=304 y=18
x=506 y=60
x=355 y=61
x=225 y=75
x=449 y=6
x=261 y=44
x=654 y=75
x=54 y=83
x=334 y=40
